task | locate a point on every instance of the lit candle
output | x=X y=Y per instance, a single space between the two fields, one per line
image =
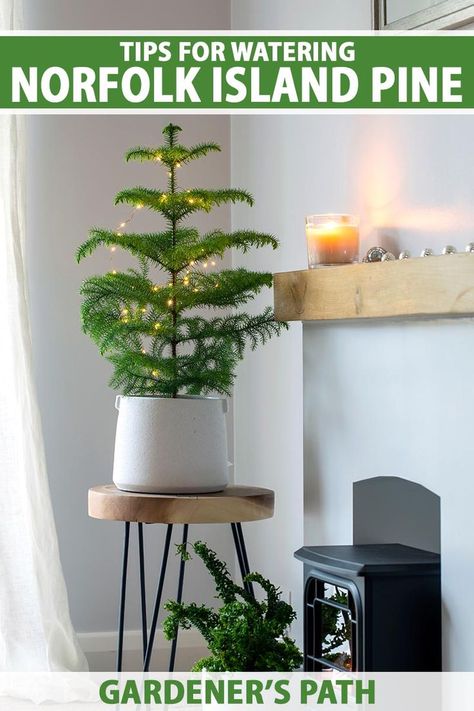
x=332 y=239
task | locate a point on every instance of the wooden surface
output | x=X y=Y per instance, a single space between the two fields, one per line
x=437 y=286
x=234 y=504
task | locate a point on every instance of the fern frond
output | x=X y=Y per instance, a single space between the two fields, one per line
x=243 y=634
x=187 y=616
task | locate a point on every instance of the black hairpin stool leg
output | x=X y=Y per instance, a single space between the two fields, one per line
x=242 y=557
x=141 y=558
x=123 y=591
x=179 y=596
x=159 y=593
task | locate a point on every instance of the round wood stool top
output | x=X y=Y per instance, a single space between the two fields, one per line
x=233 y=505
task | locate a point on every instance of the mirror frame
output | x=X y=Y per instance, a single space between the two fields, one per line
x=447 y=15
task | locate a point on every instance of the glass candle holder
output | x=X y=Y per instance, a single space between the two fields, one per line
x=332 y=239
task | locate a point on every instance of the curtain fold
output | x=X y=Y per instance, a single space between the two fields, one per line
x=35 y=628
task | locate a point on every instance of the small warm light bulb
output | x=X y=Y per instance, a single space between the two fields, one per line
x=124 y=312
x=170 y=174
x=155 y=373
x=156 y=288
x=157 y=156
x=122 y=224
x=143 y=310
x=178 y=165
x=112 y=249
x=119 y=234
x=191 y=201
x=114 y=271
x=191 y=263
x=170 y=302
x=217 y=285
x=157 y=326
x=143 y=351
x=139 y=206
x=204 y=265
x=163 y=198
x=195 y=290
x=213 y=264
x=185 y=281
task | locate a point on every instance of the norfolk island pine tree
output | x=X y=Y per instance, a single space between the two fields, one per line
x=155 y=336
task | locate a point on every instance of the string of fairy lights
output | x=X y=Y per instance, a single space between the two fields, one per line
x=122 y=226
x=126 y=312
x=119 y=232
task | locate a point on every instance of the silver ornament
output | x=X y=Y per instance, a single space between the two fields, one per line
x=388 y=257
x=470 y=247
x=449 y=249
x=404 y=255
x=427 y=252
x=375 y=254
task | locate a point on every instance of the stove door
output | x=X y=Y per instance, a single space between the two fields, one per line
x=333 y=624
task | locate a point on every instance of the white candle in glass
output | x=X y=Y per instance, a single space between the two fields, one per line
x=332 y=239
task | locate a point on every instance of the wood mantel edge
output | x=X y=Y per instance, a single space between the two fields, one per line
x=428 y=287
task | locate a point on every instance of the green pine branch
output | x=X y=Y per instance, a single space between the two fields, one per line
x=157 y=246
x=241 y=329
x=230 y=287
x=176 y=206
x=196 y=374
x=216 y=243
x=171 y=156
x=188 y=247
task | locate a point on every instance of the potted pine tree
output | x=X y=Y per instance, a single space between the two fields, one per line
x=173 y=357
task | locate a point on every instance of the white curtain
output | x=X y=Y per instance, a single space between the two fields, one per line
x=35 y=629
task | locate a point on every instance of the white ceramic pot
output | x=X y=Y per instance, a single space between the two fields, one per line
x=171 y=445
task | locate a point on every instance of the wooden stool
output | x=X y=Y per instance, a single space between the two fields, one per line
x=233 y=506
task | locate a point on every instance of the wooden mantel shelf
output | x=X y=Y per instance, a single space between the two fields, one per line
x=437 y=286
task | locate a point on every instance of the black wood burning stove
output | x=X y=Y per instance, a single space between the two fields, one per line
x=371 y=608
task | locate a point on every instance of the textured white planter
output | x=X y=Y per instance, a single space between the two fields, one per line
x=171 y=445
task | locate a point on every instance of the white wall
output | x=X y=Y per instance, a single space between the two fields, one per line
x=126 y=15
x=75 y=167
x=379 y=399
x=310 y=15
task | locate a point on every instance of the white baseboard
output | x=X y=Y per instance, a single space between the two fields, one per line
x=100 y=650
x=92 y=642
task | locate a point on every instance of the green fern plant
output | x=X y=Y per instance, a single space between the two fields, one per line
x=244 y=634
x=152 y=333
